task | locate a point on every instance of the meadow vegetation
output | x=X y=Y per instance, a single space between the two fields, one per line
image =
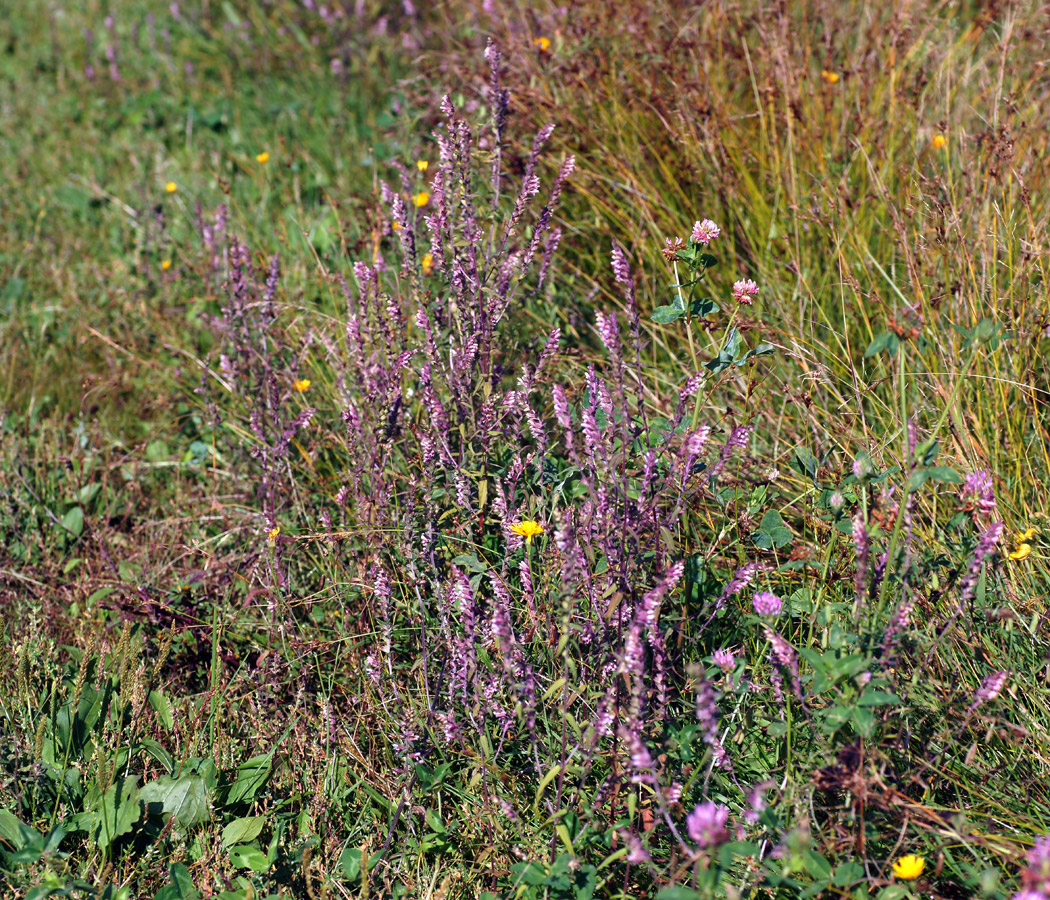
x=524 y=450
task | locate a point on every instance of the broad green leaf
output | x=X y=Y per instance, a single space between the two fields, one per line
x=679 y=892
x=73 y=521
x=119 y=809
x=249 y=858
x=665 y=315
x=243 y=831
x=251 y=777
x=162 y=707
x=185 y=798
x=872 y=697
x=180 y=885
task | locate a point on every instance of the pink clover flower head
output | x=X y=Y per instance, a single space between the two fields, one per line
x=767 y=603
x=671 y=248
x=706 y=824
x=724 y=659
x=704 y=232
x=744 y=291
x=978 y=492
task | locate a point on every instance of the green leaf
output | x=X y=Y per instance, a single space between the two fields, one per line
x=185 y=798
x=119 y=809
x=917 y=479
x=944 y=474
x=249 y=858
x=180 y=885
x=665 y=315
x=534 y=873
x=13 y=830
x=877 y=345
x=817 y=865
x=703 y=308
x=350 y=862
x=158 y=752
x=885 y=341
x=162 y=707
x=242 y=831
x=727 y=354
x=251 y=777
x=73 y=521
x=836 y=717
x=872 y=697
x=678 y=892
x=864 y=721
x=847 y=873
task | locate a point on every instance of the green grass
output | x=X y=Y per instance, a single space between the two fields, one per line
x=192 y=693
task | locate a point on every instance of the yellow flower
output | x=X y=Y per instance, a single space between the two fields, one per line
x=263 y=157
x=1021 y=552
x=165 y=264
x=301 y=384
x=395 y=225
x=543 y=43
x=528 y=530
x=1026 y=536
x=428 y=264
x=171 y=187
x=909 y=867
x=422 y=165
x=421 y=199
x=939 y=142
x=272 y=534
x=830 y=77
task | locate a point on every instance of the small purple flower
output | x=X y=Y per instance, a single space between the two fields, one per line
x=671 y=248
x=986 y=545
x=744 y=291
x=636 y=852
x=767 y=603
x=978 y=493
x=1036 y=878
x=756 y=802
x=724 y=660
x=989 y=689
x=704 y=232
x=707 y=824
x=621 y=268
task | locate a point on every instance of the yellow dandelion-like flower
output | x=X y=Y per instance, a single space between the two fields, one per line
x=544 y=43
x=830 y=77
x=909 y=867
x=301 y=384
x=939 y=142
x=421 y=199
x=428 y=264
x=165 y=264
x=1021 y=552
x=171 y=187
x=263 y=157
x=528 y=530
x=422 y=165
x=272 y=534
